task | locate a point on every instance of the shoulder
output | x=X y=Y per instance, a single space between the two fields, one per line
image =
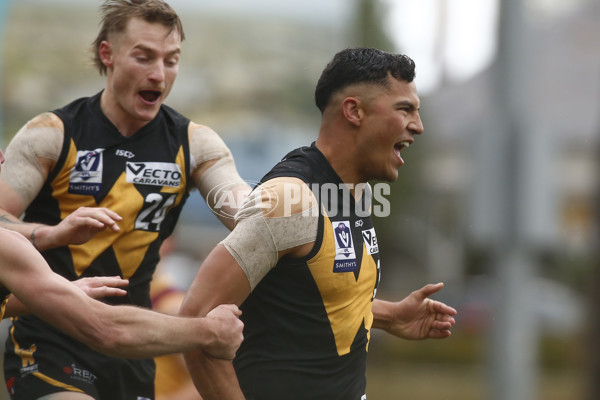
x=279 y=197
x=205 y=143
x=46 y=120
x=43 y=135
x=302 y=163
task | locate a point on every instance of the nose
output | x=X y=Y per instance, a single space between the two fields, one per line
x=157 y=74
x=1 y=157
x=416 y=125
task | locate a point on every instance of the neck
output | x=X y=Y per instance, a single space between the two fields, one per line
x=342 y=157
x=126 y=125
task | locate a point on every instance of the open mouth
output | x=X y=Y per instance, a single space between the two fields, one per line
x=398 y=147
x=150 y=96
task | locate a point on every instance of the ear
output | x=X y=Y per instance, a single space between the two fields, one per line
x=352 y=110
x=106 y=54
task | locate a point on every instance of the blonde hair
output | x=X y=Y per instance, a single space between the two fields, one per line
x=117 y=13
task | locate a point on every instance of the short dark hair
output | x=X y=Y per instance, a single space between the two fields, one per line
x=361 y=65
x=117 y=13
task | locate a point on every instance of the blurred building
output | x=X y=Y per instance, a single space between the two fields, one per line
x=561 y=98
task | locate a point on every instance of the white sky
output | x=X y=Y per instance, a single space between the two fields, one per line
x=463 y=48
x=451 y=45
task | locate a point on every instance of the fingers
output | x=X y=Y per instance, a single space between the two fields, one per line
x=442 y=308
x=233 y=308
x=429 y=289
x=229 y=331
x=440 y=327
x=112 y=281
x=444 y=324
x=227 y=308
x=104 y=291
x=98 y=217
x=110 y=219
x=438 y=306
x=98 y=287
x=439 y=334
x=82 y=225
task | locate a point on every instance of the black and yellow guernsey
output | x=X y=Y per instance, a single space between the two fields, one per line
x=307 y=322
x=143 y=178
x=4 y=293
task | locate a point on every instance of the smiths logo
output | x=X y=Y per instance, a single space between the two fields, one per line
x=86 y=176
x=154 y=173
x=345 y=256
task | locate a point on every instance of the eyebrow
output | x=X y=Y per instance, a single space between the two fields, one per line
x=407 y=103
x=149 y=50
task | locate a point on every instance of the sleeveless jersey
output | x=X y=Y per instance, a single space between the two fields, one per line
x=4 y=293
x=308 y=321
x=143 y=178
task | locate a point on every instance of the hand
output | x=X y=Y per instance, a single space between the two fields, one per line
x=228 y=330
x=79 y=227
x=418 y=317
x=98 y=287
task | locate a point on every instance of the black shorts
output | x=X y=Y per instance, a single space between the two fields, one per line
x=39 y=360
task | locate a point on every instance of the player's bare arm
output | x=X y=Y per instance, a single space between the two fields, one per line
x=123 y=331
x=96 y=287
x=416 y=317
x=219 y=280
x=266 y=230
x=30 y=157
x=214 y=173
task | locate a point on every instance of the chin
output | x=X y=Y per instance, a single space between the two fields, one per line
x=384 y=178
x=147 y=115
x=391 y=177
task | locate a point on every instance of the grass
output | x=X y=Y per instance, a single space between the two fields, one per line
x=400 y=380
x=455 y=369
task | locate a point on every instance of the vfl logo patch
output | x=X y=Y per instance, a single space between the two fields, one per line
x=153 y=173
x=86 y=176
x=370 y=240
x=345 y=256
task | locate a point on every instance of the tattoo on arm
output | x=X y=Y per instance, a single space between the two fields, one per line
x=5 y=221
x=32 y=236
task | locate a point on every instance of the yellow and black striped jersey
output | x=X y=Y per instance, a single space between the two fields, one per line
x=4 y=293
x=143 y=178
x=307 y=322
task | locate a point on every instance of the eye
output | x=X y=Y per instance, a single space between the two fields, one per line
x=172 y=62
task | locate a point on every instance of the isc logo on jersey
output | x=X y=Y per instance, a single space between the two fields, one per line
x=153 y=173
